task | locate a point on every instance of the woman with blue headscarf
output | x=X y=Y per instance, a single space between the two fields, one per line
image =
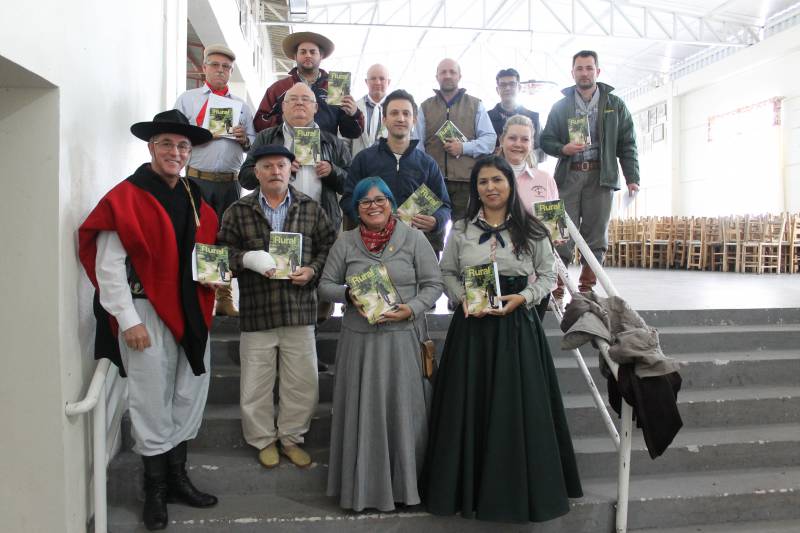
x=380 y=408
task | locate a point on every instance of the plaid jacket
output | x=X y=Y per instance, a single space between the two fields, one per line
x=264 y=303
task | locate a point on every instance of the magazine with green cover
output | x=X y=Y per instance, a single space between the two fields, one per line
x=578 y=128
x=210 y=264
x=551 y=213
x=286 y=248
x=374 y=291
x=421 y=202
x=448 y=130
x=338 y=87
x=220 y=121
x=307 y=146
x=482 y=286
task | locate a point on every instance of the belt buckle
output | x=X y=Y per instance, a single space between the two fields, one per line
x=584 y=166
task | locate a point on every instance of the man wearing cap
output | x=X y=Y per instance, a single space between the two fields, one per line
x=321 y=182
x=377 y=81
x=214 y=166
x=308 y=49
x=277 y=316
x=152 y=318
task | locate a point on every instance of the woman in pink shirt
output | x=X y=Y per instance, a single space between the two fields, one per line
x=533 y=185
x=516 y=147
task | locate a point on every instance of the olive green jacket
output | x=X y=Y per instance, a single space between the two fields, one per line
x=617 y=137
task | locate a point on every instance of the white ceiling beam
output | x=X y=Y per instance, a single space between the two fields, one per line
x=711 y=29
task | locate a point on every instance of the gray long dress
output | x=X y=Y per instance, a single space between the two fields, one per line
x=380 y=407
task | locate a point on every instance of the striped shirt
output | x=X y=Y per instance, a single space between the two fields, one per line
x=277 y=216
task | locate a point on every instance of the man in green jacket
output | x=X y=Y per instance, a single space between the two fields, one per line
x=588 y=131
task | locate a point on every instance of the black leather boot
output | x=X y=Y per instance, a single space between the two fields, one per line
x=154 y=514
x=179 y=487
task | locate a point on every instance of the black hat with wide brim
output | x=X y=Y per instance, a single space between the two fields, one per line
x=172 y=121
x=293 y=40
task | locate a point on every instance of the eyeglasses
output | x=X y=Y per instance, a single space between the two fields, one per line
x=379 y=201
x=217 y=64
x=168 y=146
x=305 y=100
x=507 y=84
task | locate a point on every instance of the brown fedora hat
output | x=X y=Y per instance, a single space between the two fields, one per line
x=172 y=121
x=293 y=40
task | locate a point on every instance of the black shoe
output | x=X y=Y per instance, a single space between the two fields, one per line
x=154 y=513
x=179 y=487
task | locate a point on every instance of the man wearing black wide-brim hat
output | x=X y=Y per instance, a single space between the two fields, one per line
x=152 y=318
x=308 y=49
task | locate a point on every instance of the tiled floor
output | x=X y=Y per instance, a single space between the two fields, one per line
x=681 y=289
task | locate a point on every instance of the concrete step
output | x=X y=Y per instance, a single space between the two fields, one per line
x=662 y=501
x=776 y=526
x=222 y=428
x=694 y=450
x=703 y=370
x=712 y=408
x=674 y=341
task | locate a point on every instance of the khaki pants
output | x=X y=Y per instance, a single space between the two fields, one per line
x=290 y=354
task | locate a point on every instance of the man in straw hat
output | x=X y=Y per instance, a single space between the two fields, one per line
x=308 y=49
x=152 y=318
x=214 y=166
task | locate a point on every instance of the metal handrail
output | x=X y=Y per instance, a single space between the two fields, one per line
x=622 y=440
x=95 y=401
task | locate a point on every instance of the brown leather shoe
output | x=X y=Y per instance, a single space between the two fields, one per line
x=268 y=457
x=225 y=305
x=296 y=455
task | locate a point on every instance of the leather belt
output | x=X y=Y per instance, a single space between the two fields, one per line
x=210 y=176
x=585 y=166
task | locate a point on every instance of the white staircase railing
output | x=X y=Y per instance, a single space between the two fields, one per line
x=622 y=440
x=95 y=401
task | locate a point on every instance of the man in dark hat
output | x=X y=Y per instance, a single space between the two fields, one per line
x=277 y=316
x=152 y=318
x=214 y=166
x=308 y=49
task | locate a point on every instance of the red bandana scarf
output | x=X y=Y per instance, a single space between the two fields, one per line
x=201 y=116
x=376 y=240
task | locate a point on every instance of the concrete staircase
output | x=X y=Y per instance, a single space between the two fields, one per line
x=734 y=467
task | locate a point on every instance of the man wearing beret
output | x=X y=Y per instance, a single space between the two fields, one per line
x=277 y=316
x=214 y=166
x=152 y=318
x=308 y=49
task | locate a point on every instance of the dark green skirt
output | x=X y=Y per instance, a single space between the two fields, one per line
x=499 y=447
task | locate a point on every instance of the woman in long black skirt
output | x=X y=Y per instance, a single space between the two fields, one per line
x=499 y=447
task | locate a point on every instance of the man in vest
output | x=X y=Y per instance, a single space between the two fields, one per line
x=370 y=105
x=214 y=166
x=455 y=156
x=152 y=318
